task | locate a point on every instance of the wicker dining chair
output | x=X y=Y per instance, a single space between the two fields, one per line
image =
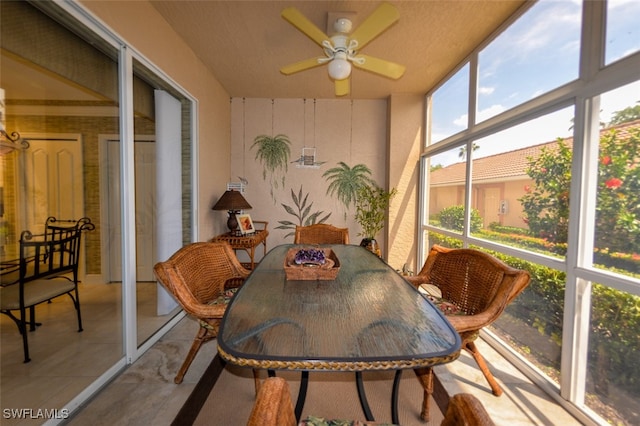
x=196 y=275
x=274 y=407
x=465 y=409
x=321 y=233
x=475 y=289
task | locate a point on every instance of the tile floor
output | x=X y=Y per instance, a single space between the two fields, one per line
x=145 y=392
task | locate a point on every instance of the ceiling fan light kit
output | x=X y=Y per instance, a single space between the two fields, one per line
x=341 y=49
x=339 y=68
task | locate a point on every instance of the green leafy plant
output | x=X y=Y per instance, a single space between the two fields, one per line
x=345 y=181
x=301 y=212
x=273 y=152
x=546 y=203
x=371 y=208
x=452 y=217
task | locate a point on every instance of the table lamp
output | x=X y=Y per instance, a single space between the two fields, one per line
x=233 y=202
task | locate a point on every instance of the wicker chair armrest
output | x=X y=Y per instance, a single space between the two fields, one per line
x=239 y=271
x=464 y=323
x=189 y=303
x=206 y=311
x=416 y=280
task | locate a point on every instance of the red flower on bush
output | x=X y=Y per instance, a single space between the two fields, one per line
x=606 y=160
x=613 y=183
x=527 y=188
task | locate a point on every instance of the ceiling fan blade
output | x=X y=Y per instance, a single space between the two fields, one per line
x=300 y=66
x=342 y=87
x=380 y=66
x=298 y=20
x=381 y=19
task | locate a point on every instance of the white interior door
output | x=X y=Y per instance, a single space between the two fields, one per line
x=145 y=178
x=52 y=183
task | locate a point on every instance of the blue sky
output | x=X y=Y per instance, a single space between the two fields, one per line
x=544 y=55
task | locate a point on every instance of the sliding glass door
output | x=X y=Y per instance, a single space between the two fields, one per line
x=85 y=108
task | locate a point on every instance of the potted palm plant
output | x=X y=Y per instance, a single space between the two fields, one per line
x=371 y=208
x=344 y=182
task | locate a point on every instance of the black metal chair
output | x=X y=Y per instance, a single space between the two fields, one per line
x=48 y=268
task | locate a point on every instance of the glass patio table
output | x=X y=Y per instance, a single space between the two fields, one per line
x=367 y=318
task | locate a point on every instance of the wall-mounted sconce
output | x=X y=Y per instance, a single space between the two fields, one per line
x=11 y=142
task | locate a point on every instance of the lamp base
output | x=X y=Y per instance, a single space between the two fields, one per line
x=232 y=222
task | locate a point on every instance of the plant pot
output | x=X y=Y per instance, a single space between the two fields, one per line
x=372 y=245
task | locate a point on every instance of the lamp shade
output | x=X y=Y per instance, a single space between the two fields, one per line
x=231 y=200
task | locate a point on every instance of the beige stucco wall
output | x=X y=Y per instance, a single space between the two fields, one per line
x=138 y=23
x=406 y=133
x=384 y=136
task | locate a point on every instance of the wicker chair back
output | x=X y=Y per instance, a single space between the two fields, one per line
x=321 y=233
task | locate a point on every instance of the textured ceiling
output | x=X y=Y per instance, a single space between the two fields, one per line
x=244 y=43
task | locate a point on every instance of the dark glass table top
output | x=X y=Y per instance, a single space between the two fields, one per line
x=368 y=318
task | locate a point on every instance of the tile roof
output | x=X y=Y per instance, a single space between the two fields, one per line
x=511 y=164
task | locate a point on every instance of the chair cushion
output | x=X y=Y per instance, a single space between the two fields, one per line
x=434 y=294
x=35 y=292
x=225 y=297
x=321 y=421
x=448 y=308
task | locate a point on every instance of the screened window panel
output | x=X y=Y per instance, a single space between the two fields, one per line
x=623 y=32
x=539 y=52
x=617 y=227
x=520 y=183
x=450 y=105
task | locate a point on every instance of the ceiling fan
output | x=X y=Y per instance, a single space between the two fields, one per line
x=341 y=50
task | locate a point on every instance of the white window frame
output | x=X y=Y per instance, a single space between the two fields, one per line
x=583 y=93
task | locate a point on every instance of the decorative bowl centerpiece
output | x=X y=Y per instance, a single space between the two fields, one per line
x=311 y=264
x=310 y=257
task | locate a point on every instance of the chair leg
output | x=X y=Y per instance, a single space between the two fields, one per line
x=76 y=304
x=495 y=387
x=256 y=380
x=201 y=337
x=425 y=377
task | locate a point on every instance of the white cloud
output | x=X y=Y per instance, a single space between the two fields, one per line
x=486 y=90
x=462 y=121
x=489 y=112
x=619 y=99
